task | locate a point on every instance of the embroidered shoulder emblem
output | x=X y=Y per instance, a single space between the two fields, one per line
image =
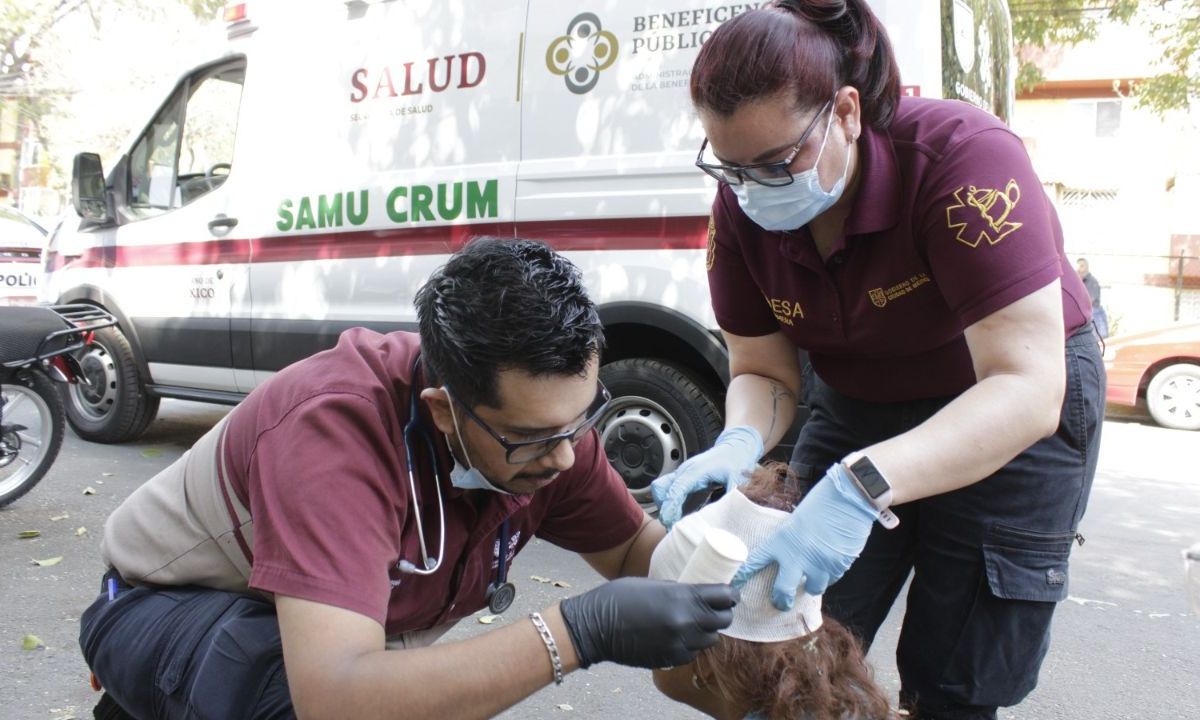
x=712 y=244
x=982 y=213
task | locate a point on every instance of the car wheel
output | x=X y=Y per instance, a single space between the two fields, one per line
x=658 y=417
x=112 y=406
x=1173 y=397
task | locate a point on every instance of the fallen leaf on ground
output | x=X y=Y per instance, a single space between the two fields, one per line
x=48 y=561
x=562 y=584
x=32 y=642
x=539 y=578
x=563 y=706
x=489 y=619
x=56 y=518
x=89 y=490
x=80 y=531
x=151 y=452
x=28 y=534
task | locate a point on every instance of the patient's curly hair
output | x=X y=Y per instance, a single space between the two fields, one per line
x=822 y=676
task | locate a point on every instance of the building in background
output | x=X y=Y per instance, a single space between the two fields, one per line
x=1126 y=181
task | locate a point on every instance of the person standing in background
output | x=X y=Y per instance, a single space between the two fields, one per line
x=1099 y=317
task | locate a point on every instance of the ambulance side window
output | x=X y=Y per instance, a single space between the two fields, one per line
x=152 y=162
x=170 y=168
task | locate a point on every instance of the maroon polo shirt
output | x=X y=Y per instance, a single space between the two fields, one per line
x=317 y=454
x=950 y=224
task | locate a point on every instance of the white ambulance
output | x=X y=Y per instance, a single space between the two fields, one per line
x=308 y=179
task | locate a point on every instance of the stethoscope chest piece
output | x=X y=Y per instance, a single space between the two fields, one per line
x=501 y=592
x=500 y=597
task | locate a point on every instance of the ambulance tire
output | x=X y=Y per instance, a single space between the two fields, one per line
x=114 y=407
x=659 y=415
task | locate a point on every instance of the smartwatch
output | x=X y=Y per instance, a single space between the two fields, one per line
x=873 y=485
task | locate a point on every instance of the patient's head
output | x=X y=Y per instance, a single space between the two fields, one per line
x=778 y=665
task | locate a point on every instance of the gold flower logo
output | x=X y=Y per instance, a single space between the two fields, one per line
x=581 y=54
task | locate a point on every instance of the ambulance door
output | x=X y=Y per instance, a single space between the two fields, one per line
x=176 y=266
x=382 y=150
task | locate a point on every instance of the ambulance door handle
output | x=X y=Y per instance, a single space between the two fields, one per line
x=221 y=222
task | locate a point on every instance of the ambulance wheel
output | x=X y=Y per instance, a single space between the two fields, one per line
x=112 y=406
x=658 y=417
x=1173 y=397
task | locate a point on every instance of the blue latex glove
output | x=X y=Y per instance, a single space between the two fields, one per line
x=725 y=463
x=824 y=534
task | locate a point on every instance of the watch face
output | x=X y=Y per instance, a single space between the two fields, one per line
x=870 y=478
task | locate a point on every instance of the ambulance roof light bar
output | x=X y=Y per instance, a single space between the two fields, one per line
x=238 y=20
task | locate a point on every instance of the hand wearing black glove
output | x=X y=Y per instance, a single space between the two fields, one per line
x=647 y=623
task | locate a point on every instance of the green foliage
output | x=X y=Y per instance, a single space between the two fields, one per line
x=1174 y=25
x=205 y=9
x=1048 y=23
x=1179 y=37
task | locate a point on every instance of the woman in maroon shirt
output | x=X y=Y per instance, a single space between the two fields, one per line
x=955 y=386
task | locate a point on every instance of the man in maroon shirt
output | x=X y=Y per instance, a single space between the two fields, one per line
x=363 y=500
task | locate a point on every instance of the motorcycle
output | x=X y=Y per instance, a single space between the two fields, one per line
x=37 y=346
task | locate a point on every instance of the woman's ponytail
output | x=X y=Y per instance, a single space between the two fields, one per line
x=868 y=62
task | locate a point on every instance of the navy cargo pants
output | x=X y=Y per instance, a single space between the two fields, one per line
x=988 y=561
x=186 y=652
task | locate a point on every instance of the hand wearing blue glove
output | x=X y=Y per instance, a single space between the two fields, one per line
x=825 y=533
x=724 y=464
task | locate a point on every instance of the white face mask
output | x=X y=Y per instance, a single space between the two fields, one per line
x=467 y=478
x=791 y=206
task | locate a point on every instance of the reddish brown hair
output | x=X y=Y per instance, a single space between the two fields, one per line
x=822 y=676
x=807 y=47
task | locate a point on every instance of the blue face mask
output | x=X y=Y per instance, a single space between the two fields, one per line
x=791 y=206
x=467 y=478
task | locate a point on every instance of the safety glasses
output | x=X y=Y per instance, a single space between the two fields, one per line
x=525 y=451
x=772 y=174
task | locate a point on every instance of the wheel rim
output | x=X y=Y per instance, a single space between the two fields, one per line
x=22 y=451
x=95 y=399
x=642 y=441
x=1179 y=399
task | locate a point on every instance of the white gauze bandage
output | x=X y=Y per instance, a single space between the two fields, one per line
x=754 y=617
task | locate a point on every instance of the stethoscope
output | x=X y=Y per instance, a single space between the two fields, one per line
x=500 y=592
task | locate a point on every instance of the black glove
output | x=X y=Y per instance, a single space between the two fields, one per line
x=647 y=623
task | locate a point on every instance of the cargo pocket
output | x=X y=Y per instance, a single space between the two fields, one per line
x=246 y=654
x=1001 y=647
x=1026 y=564
x=197 y=610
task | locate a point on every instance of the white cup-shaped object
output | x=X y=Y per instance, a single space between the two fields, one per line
x=717 y=558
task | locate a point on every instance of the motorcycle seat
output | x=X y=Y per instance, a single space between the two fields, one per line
x=22 y=330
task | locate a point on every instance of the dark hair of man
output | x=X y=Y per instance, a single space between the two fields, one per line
x=504 y=304
x=807 y=48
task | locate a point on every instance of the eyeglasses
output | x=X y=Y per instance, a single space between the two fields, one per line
x=524 y=451
x=773 y=174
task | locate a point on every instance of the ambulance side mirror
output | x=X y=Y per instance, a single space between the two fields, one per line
x=87 y=188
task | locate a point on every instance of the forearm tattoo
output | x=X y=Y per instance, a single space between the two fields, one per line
x=778 y=393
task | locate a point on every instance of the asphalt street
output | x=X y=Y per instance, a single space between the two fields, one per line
x=1126 y=643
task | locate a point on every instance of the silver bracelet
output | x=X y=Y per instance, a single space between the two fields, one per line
x=551 y=646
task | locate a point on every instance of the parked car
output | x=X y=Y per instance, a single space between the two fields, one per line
x=21 y=243
x=1159 y=371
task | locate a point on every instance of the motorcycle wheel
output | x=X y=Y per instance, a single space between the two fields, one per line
x=31 y=432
